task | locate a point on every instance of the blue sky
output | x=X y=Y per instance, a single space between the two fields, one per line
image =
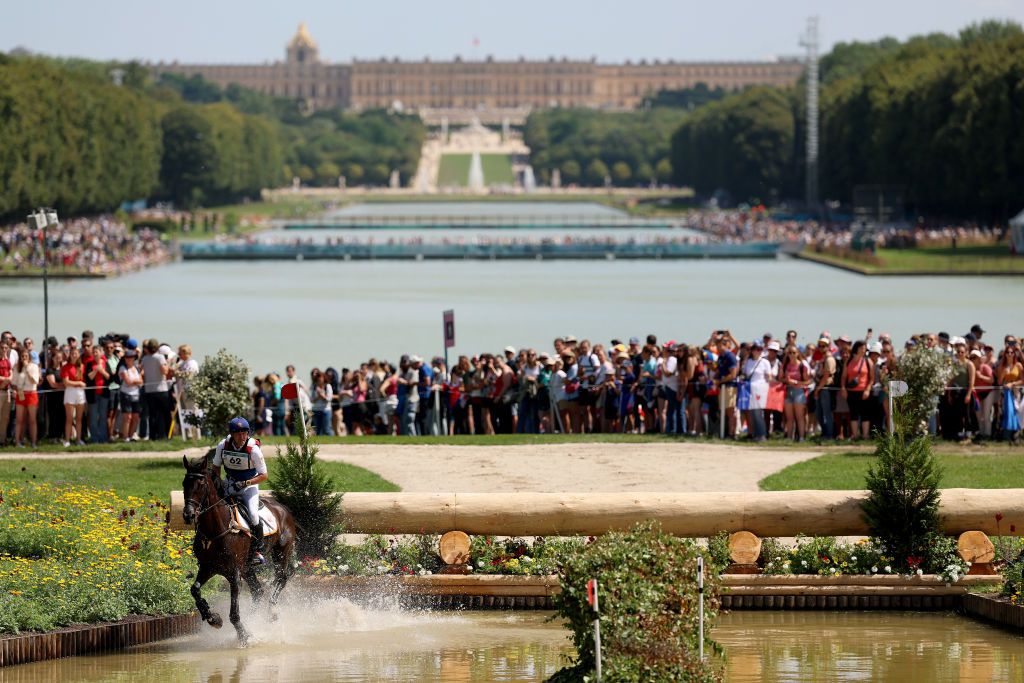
x=233 y=31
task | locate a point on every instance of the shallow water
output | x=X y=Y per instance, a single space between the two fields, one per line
x=339 y=641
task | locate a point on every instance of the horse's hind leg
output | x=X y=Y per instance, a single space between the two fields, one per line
x=236 y=620
x=282 y=569
x=210 y=617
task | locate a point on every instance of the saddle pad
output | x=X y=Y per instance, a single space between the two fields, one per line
x=266 y=515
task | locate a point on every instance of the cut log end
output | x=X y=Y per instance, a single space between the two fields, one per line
x=975 y=547
x=744 y=548
x=454 y=548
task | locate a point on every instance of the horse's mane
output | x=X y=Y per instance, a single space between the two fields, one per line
x=214 y=473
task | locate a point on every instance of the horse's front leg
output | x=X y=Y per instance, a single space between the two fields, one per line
x=236 y=619
x=211 y=618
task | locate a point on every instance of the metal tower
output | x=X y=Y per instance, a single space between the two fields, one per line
x=810 y=41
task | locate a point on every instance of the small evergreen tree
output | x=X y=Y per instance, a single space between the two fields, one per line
x=220 y=390
x=902 y=509
x=302 y=485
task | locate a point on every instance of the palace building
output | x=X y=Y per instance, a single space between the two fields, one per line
x=488 y=84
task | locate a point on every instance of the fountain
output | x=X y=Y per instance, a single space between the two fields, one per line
x=529 y=181
x=475 y=182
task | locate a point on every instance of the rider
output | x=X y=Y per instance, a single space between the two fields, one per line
x=246 y=470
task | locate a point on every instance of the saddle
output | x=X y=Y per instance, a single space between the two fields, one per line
x=240 y=525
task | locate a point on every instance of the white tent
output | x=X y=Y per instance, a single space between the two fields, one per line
x=1017 y=233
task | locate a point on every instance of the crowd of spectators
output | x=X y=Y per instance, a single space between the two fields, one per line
x=102 y=245
x=91 y=389
x=832 y=388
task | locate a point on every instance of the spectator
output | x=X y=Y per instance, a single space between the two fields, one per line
x=24 y=381
x=73 y=377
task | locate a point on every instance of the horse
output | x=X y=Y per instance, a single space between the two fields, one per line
x=221 y=548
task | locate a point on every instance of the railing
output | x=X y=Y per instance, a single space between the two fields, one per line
x=482 y=222
x=426 y=251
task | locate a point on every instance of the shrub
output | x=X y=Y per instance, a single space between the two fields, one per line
x=301 y=484
x=774 y=557
x=220 y=390
x=902 y=508
x=718 y=551
x=926 y=372
x=648 y=600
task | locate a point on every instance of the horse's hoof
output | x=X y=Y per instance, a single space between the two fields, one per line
x=215 y=620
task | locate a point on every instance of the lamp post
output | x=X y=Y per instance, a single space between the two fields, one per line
x=41 y=220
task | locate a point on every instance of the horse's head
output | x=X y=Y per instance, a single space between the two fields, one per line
x=197 y=487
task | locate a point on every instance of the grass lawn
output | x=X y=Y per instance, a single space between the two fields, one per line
x=454 y=170
x=155 y=477
x=497 y=169
x=846 y=471
x=980 y=259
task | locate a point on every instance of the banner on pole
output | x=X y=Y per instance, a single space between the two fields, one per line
x=290 y=391
x=449 y=329
x=592 y=593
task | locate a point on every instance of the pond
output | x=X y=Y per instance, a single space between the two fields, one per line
x=339 y=641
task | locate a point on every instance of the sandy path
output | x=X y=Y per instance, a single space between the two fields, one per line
x=572 y=467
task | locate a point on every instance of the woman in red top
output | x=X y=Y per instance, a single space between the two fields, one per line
x=857 y=373
x=73 y=374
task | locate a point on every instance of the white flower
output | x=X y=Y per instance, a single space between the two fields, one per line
x=888 y=569
x=831 y=570
x=920 y=572
x=343 y=568
x=803 y=562
x=527 y=558
x=874 y=570
x=853 y=558
x=480 y=563
x=469 y=568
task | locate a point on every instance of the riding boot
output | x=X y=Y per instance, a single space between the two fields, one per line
x=257 y=543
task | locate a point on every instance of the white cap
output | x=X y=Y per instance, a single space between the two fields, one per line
x=510 y=349
x=773 y=346
x=875 y=347
x=957 y=340
x=415 y=359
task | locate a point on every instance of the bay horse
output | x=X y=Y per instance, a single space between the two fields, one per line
x=221 y=549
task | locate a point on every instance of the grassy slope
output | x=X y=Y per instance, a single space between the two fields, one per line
x=155 y=477
x=497 y=169
x=846 y=470
x=454 y=170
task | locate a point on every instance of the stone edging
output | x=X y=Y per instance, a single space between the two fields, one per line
x=1000 y=612
x=91 y=639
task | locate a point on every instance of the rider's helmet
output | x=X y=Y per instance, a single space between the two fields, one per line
x=238 y=424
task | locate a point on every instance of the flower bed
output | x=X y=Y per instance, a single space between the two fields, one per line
x=71 y=554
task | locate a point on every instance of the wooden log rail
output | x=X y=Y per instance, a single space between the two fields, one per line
x=764 y=513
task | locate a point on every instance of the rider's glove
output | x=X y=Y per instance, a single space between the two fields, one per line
x=236 y=487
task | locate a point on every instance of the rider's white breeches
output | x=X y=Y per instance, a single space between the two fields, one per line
x=250 y=498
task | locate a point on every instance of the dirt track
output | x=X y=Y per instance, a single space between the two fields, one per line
x=573 y=467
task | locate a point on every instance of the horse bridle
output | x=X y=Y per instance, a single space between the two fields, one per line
x=206 y=496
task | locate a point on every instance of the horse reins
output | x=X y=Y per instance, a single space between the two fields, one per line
x=204 y=510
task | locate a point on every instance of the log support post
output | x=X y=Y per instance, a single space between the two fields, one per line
x=744 y=549
x=454 y=551
x=976 y=548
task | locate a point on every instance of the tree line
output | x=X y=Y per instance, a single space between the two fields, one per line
x=589 y=147
x=940 y=117
x=85 y=136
